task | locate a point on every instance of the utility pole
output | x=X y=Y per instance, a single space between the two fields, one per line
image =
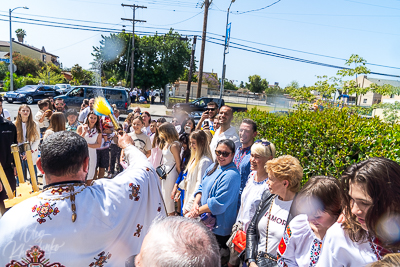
x=203 y=47
x=191 y=68
x=133 y=40
x=227 y=37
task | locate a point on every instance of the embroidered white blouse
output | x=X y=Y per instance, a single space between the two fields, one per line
x=339 y=250
x=299 y=247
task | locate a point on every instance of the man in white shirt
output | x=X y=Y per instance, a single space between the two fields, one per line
x=226 y=131
x=71 y=224
x=83 y=114
x=4 y=112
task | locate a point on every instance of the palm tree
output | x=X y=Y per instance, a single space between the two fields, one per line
x=20 y=34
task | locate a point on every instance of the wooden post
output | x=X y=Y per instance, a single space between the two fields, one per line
x=17 y=161
x=28 y=154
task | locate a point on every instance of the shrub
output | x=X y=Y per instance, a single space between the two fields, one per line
x=326 y=142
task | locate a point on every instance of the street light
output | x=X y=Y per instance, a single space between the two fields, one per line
x=225 y=47
x=11 y=62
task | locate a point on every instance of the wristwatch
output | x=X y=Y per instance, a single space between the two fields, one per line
x=250 y=261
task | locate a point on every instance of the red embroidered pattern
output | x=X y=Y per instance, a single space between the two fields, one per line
x=138 y=230
x=34 y=257
x=101 y=260
x=378 y=250
x=44 y=211
x=59 y=190
x=135 y=191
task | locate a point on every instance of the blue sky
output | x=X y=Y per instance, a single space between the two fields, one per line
x=331 y=28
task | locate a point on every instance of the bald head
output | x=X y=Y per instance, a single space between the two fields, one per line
x=178 y=242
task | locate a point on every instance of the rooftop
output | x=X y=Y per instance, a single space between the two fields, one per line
x=43 y=50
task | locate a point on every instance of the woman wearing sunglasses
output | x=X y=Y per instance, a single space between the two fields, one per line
x=218 y=193
x=274 y=212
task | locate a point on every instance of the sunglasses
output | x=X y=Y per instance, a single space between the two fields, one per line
x=211 y=109
x=222 y=153
x=265 y=143
x=59 y=104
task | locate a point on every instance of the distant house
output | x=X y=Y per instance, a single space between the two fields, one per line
x=30 y=51
x=371 y=98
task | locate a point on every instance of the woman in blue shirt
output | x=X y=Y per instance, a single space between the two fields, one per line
x=219 y=191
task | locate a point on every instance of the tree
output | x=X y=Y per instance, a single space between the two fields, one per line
x=241 y=84
x=3 y=70
x=256 y=84
x=159 y=59
x=230 y=85
x=211 y=80
x=185 y=76
x=26 y=65
x=18 y=81
x=326 y=86
x=77 y=74
x=20 y=35
x=49 y=76
x=351 y=87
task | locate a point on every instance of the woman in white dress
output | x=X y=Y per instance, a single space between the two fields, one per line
x=371 y=197
x=171 y=149
x=27 y=131
x=91 y=131
x=199 y=161
x=319 y=205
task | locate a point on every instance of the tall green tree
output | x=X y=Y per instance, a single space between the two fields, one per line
x=159 y=59
x=3 y=70
x=326 y=86
x=256 y=84
x=49 y=76
x=230 y=85
x=20 y=35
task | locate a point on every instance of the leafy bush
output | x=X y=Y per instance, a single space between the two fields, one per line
x=326 y=142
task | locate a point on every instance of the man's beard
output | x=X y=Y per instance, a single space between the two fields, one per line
x=60 y=109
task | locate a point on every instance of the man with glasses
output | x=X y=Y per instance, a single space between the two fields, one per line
x=60 y=105
x=247 y=133
x=226 y=131
x=207 y=118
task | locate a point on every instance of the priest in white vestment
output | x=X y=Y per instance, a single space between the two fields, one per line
x=71 y=224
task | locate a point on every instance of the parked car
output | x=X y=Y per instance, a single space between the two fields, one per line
x=115 y=96
x=31 y=93
x=62 y=88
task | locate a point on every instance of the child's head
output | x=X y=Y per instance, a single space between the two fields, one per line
x=72 y=115
x=184 y=140
x=44 y=104
x=137 y=124
x=153 y=126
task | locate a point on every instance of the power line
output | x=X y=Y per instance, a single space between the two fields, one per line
x=272 y=54
x=179 y=21
x=254 y=10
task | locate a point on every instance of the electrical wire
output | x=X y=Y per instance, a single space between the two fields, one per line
x=254 y=10
x=177 y=22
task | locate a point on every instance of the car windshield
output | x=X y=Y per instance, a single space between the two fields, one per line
x=30 y=88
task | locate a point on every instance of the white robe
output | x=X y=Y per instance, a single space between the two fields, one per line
x=113 y=216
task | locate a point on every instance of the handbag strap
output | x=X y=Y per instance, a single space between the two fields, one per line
x=266 y=234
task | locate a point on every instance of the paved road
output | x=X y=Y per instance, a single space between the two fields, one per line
x=13 y=109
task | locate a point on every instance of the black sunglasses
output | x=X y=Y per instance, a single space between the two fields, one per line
x=212 y=109
x=222 y=153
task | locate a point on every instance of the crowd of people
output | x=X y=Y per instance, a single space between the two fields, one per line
x=254 y=210
x=142 y=96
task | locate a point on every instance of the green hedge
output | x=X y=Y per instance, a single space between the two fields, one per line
x=326 y=142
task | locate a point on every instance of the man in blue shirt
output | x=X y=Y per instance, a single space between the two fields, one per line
x=247 y=133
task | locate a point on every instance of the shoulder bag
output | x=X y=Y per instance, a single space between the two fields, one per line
x=160 y=170
x=265 y=259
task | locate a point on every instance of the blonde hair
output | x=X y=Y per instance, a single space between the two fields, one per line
x=203 y=149
x=286 y=168
x=389 y=260
x=129 y=118
x=57 y=122
x=209 y=136
x=167 y=134
x=31 y=132
x=263 y=150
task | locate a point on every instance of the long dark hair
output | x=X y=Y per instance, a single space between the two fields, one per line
x=230 y=144
x=97 y=124
x=184 y=139
x=381 y=178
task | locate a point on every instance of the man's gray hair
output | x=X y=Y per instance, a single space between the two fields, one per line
x=180 y=242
